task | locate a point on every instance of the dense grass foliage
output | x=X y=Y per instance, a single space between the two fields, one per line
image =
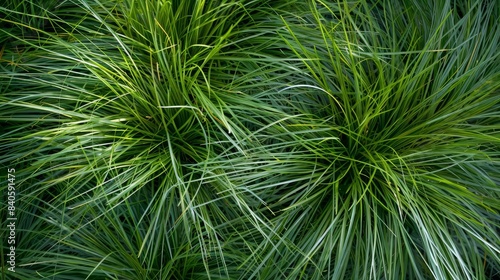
x=239 y=139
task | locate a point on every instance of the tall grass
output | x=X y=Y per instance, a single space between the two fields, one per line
x=392 y=164
x=253 y=139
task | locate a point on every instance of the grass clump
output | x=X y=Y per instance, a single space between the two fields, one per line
x=253 y=139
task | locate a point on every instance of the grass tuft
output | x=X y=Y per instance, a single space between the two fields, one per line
x=252 y=139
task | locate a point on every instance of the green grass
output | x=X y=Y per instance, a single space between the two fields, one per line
x=252 y=139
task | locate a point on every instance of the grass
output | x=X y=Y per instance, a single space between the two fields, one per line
x=252 y=139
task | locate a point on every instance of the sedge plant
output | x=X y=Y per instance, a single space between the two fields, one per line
x=238 y=139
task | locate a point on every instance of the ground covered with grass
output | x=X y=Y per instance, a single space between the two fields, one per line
x=231 y=139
